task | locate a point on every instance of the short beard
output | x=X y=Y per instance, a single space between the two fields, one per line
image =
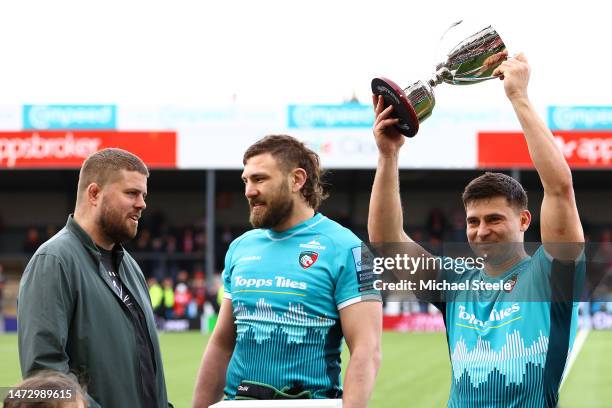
x=500 y=253
x=113 y=226
x=277 y=212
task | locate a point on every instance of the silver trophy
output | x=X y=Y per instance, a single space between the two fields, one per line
x=470 y=61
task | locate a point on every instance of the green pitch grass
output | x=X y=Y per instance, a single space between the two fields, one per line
x=415 y=370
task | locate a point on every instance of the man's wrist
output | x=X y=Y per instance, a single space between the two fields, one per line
x=519 y=99
x=390 y=156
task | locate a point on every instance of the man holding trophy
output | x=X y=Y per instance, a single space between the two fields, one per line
x=507 y=347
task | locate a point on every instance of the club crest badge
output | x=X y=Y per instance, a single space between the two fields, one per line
x=308 y=258
x=512 y=281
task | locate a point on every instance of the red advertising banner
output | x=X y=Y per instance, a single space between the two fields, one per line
x=68 y=149
x=582 y=149
x=419 y=322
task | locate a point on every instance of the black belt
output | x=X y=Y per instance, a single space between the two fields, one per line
x=261 y=391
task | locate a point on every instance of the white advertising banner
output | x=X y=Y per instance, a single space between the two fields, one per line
x=215 y=137
x=340 y=134
x=10 y=117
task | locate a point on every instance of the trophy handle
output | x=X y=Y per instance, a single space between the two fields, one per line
x=402 y=109
x=473 y=80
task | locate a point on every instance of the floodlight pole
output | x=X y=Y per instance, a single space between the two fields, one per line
x=210 y=225
x=516 y=174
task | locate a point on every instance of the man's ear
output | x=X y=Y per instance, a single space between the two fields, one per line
x=94 y=193
x=298 y=179
x=525 y=217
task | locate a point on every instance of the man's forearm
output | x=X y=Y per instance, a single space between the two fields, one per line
x=546 y=156
x=360 y=378
x=385 y=217
x=211 y=376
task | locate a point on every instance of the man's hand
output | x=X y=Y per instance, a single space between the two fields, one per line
x=515 y=74
x=388 y=139
x=559 y=219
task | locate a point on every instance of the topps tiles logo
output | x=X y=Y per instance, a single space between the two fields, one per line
x=496 y=316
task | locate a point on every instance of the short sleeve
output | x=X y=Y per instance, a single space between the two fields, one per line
x=564 y=279
x=355 y=281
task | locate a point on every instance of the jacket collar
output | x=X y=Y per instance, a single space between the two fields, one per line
x=88 y=243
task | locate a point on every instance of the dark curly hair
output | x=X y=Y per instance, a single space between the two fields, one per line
x=491 y=185
x=290 y=154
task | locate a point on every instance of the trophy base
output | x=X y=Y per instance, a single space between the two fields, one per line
x=394 y=95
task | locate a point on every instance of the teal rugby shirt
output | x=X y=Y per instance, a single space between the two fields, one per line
x=508 y=348
x=286 y=290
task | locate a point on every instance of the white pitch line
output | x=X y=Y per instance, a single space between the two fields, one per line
x=578 y=343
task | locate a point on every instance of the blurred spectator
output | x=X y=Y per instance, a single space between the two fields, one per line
x=182 y=298
x=417 y=236
x=220 y=294
x=32 y=241
x=172 y=264
x=188 y=241
x=47 y=380
x=226 y=236
x=171 y=245
x=457 y=232
x=200 y=241
x=216 y=292
x=50 y=231
x=436 y=224
x=158 y=266
x=182 y=277
x=155 y=293
x=143 y=243
x=199 y=291
x=166 y=310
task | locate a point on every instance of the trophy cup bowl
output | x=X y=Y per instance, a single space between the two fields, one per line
x=471 y=61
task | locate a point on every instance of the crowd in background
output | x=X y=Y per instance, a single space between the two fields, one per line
x=172 y=258
x=184 y=297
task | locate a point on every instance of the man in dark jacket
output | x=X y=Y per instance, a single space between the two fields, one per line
x=84 y=306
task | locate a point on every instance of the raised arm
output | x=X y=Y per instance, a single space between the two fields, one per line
x=385 y=217
x=559 y=218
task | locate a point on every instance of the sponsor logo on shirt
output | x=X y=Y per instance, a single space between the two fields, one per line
x=277 y=281
x=363 y=258
x=308 y=258
x=497 y=315
x=249 y=258
x=314 y=244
